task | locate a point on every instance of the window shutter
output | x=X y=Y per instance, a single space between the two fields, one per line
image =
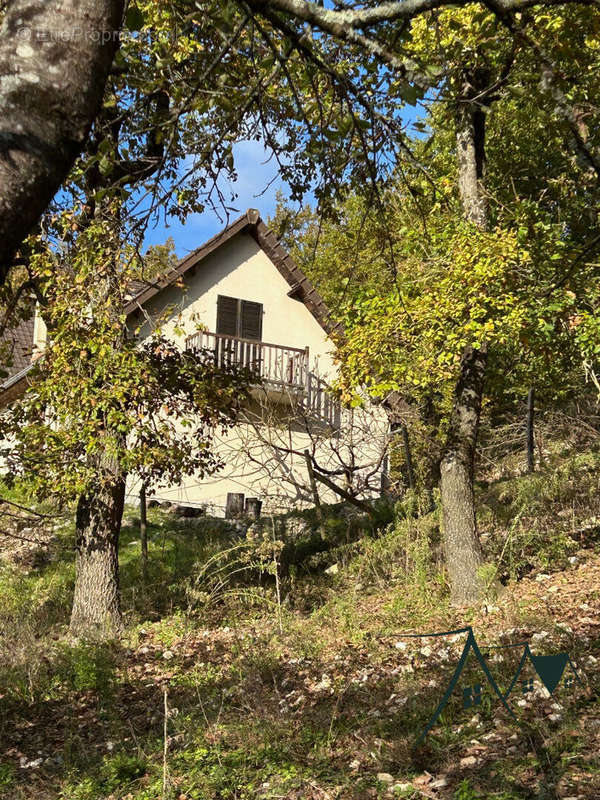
x=251 y=320
x=227 y=313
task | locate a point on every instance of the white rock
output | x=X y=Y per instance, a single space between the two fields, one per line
x=384 y=777
x=564 y=627
x=25 y=51
x=324 y=683
x=539 y=637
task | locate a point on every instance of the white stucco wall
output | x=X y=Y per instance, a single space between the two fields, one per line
x=254 y=465
x=240 y=268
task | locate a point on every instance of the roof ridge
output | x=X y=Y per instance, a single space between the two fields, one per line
x=251 y=222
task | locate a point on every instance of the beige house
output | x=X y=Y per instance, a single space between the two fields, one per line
x=241 y=295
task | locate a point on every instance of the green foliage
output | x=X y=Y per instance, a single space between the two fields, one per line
x=458 y=287
x=533 y=536
x=465 y=791
x=345 y=254
x=98 y=393
x=7 y=775
x=83 y=667
x=121 y=770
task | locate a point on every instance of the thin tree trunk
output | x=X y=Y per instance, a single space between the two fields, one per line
x=144 y=531
x=530 y=418
x=96 y=608
x=462 y=547
x=313 y=483
x=408 y=456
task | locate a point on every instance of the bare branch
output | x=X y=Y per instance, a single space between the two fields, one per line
x=343 y=23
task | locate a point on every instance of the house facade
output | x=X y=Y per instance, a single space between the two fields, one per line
x=241 y=296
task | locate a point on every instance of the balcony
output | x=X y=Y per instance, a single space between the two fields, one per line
x=282 y=370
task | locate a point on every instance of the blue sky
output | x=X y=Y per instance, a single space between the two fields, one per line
x=257 y=185
x=254 y=188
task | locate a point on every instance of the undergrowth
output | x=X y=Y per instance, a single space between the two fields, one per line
x=279 y=669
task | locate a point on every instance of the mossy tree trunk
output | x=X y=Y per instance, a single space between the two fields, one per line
x=50 y=92
x=96 y=607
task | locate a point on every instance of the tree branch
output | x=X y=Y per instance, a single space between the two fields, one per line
x=344 y=22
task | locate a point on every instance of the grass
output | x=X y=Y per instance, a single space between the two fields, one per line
x=314 y=697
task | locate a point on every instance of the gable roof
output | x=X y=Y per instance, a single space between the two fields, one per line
x=249 y=223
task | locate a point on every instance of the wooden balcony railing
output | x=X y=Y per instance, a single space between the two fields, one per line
x=319 y=403
x=276 y=365
x=273 y=363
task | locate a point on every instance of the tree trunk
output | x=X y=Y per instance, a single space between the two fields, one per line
x=54 y=61
x=530 y=417
x=470 y=140
x=96 y=609
x=461 y=542
x=144 y=531
x=408 y=457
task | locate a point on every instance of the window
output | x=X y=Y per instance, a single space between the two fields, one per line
x=241 y=318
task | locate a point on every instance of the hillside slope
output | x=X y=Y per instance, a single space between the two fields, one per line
x=232 y=685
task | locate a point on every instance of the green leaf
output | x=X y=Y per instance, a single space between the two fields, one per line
x=409 y=94
x=134 y=19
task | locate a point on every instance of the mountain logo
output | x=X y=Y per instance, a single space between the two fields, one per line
x=549 y=668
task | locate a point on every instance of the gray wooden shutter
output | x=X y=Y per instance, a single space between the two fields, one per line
x=251 y=320
x=227 y=315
